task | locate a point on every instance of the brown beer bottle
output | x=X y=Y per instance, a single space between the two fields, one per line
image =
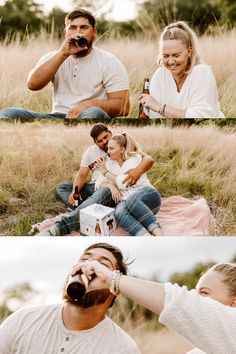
x=77 y=197
x=91 y=166
x=141 y=114
x=76 y=286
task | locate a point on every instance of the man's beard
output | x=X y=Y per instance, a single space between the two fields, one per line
x=92 y=298
x=105 y=147
x=84 y=52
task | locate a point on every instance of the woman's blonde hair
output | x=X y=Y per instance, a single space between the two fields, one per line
x=126 y=141
x=228 y=270
x=181 y=31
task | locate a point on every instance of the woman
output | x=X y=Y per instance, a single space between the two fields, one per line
x=137 y=205
x=183 y=86
x=207 y=321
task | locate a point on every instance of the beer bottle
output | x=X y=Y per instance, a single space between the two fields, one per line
x=141 y=113
x=76 y=286
x=92 y=165
x=77 y=197
x=97 y=229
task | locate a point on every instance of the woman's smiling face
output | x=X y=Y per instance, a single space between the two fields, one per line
x=175 y=56
x=115 y=151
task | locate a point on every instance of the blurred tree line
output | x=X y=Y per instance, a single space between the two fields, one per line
x=23 y=17
x=124 y=311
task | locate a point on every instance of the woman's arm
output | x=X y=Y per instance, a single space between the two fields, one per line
x=106 y=173
x=147 y=293
x=150 y=102
x=206 y=323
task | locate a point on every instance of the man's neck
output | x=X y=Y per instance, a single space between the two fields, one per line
x=78 y=319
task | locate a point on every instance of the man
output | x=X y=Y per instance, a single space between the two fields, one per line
x=75 y=326
x=101 y=135
x=87 y=82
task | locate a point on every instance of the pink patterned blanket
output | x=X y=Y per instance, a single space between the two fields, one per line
x=177 y=216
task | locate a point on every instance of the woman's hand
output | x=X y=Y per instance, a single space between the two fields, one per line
x=149 y=102
x=91 y=268
x=116 y=195
x=101 y=165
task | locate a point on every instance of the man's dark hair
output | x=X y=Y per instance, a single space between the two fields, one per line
x=81 y=13
x=97 y=129
x=120 y=262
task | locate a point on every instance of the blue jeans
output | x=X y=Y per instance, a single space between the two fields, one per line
x=136 y=214
x=88 y=113
x=71 y=222
x=64 y=189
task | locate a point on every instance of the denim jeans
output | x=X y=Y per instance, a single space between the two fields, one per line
x=71 y=222
x=91 y=112
x=64 y=189
x=136 y=214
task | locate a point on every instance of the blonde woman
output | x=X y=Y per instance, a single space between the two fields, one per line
x=206 y=316
x=136 y=205
x=183 y=86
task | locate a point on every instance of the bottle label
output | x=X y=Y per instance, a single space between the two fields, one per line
x=146 y=85
x=85 y=280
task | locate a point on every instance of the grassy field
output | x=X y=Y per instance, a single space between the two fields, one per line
x=189 y=161
x=138 y=56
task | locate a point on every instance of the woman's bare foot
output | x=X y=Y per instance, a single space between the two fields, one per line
x=157 y=232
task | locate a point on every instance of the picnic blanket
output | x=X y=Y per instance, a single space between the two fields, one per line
x=178 y=216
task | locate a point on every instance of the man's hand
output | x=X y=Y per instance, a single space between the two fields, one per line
x=69 y=46
x=71 y=199
x=132 y=177
x=75 y=112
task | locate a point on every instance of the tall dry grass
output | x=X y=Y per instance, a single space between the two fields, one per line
x=138 y=56
x=189 y=161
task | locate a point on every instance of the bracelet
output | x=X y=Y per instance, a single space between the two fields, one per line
x=104 y=174
x=115 y=281
x=162 y=110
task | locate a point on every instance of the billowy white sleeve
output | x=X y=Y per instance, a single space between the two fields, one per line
x=7 y=331
x=203 y=96
x=204 y=322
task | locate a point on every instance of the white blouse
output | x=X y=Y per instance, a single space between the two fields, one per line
x=198 y=94
x=120 y=171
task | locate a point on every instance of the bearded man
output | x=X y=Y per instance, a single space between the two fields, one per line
x=76 y=326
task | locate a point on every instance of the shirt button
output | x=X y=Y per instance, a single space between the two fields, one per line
x=74 y=75
x=62 y=349
x=67 y=339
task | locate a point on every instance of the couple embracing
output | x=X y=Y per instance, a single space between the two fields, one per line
x=119 y=180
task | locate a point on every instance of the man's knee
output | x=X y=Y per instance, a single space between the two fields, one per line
x=61 y=187
x=7 y=113
x=94 y=113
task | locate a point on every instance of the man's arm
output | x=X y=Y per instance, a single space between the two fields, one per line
x=117 y=104
x=80 y=180
x=40 y=76
x=135 y=173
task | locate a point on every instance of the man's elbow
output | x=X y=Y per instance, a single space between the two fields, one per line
x=33 y=85
x=125 y=108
